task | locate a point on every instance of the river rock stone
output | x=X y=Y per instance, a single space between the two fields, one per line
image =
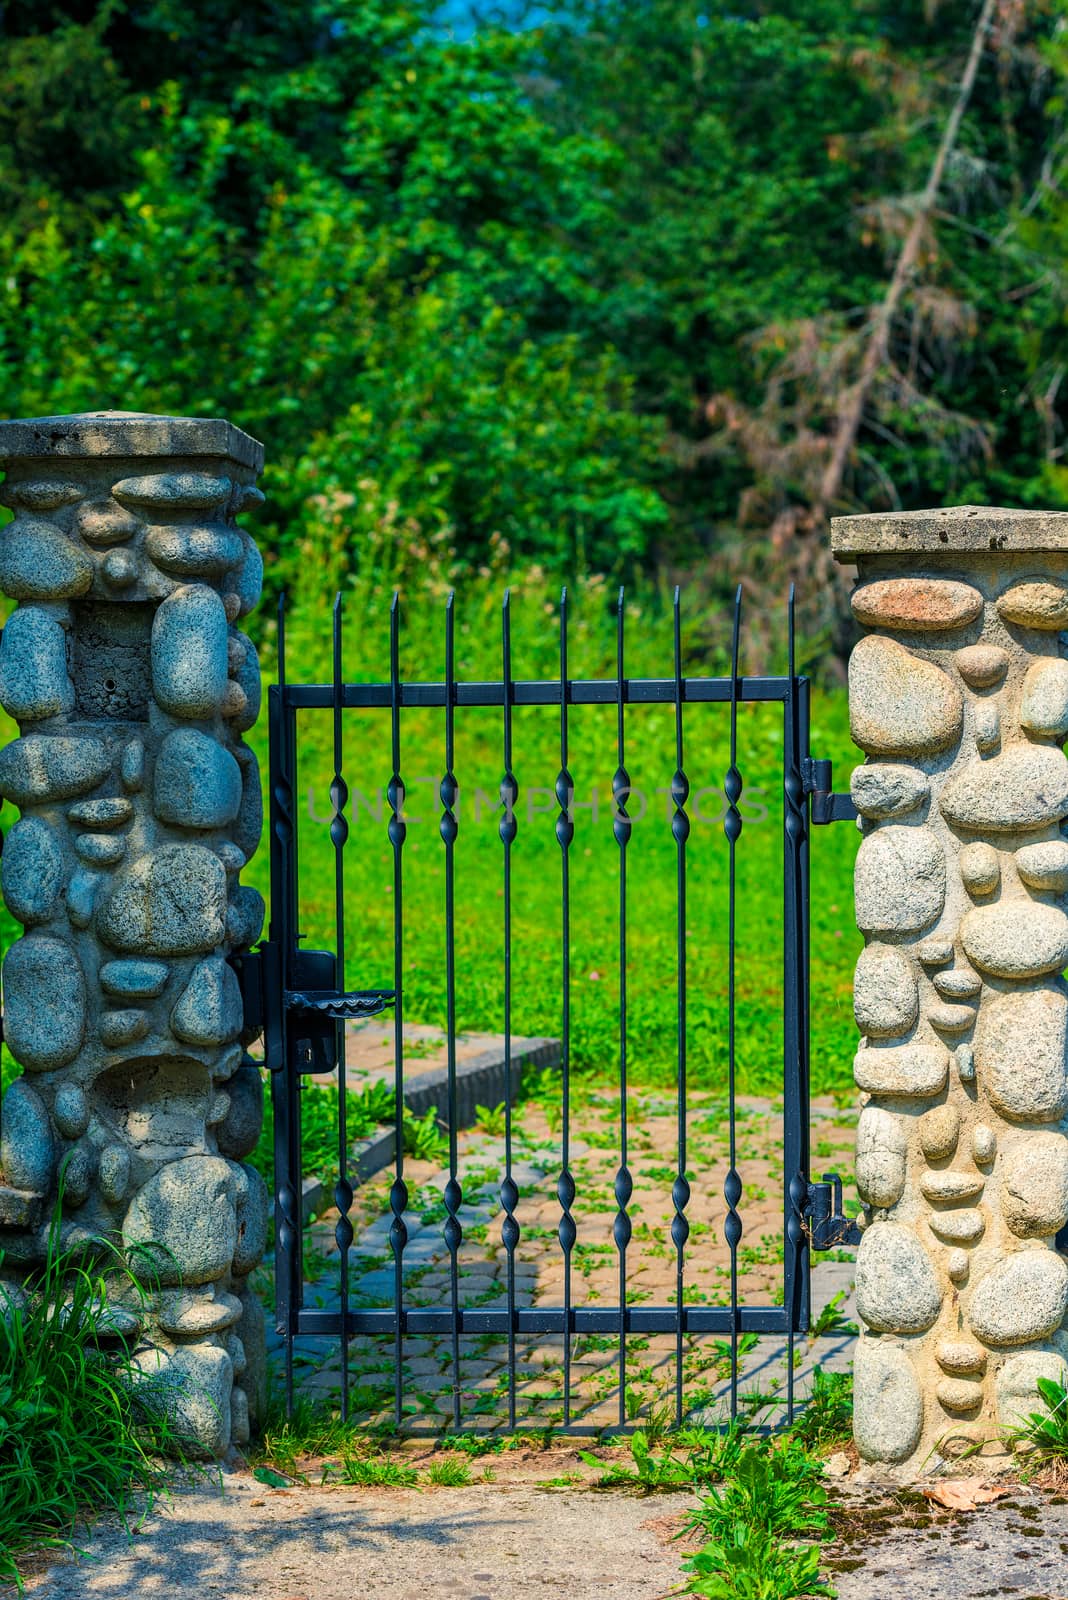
x=913 y=1071
x=1041 y=603
x=189 y=1316
x=950 y=1019
x=885 y=1001
x=103 y=523
x=253 y=1210
x=38 y=562
x=173 y=491
x=191 y=1386
x=208 y=1010
x=100 y=849
x=70 y=1110
x=32 y=871
x=43 y=1037
x=206 y=550
x=1020 y=1053
x=114 y=1173
x=169 y=903
x=247 y=583
x=123 y=1027
x=245 y=675
x=916 y=605
x=244 y=920
x=898 y=703
x=238 y=1133
x=986 y=724
x=1022 y=1298
x=939 y=1130
x=961 y=1357
x=899 y=881
x=44 y=767
x=982 y=665
x=187 y=1208
x=896 y=1287
x=883 y=789
x=197 y=782
x=1025 y=787
x=1044 y=698
x=189 y=656
x=1016 y=938
x=950 y=1186
x=980 y=868
x=248 y=826
x=1044 y=866
x=100 y=814
x=888 y=1409
x=961 y=1226
x=1034 y=1185
x=959 y=1396
x=27 y=1153
x=882 y=1148
x=34 y=681
x=984 y=1144
x=959 y=984
x=134 y=980
x=1016 y=1385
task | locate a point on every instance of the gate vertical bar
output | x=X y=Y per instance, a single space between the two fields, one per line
x=624 y=1186
x=339 y=831
x=680 y=828
x=453 y=1232
x=795 y=966
x=285 y=1083
x=398 y=1194
x=565 y=832
x=732 y=827
x=507 y=829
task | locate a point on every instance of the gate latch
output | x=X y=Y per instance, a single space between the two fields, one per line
x=826 y=805
x=313 y=1011
x=828 y=1226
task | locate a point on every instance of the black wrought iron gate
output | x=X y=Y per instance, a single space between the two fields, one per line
x=307 y=1003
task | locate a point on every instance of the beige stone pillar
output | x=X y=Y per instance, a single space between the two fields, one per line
x=958 y=696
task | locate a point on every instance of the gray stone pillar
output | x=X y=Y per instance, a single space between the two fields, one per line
x=958 y=695
x=132 y=685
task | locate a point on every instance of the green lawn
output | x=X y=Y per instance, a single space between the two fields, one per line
x=537 y=938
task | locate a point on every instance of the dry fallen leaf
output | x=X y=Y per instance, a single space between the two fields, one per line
x=257 y=1502
x=837 y=1466
x=965 y=1494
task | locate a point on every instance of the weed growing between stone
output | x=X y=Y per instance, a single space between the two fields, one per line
x=1047 y=1431
x=79 y=1432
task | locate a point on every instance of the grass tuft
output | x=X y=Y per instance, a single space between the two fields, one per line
x=79 y=1432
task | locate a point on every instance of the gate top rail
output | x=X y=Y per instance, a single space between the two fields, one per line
x=539 y=692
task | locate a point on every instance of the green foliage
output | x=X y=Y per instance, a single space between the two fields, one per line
x=589 y=289
x=450 y=1473
x=80 y=1430
x=366 y=1111
x=772 y=1497
x=826 y=1422
x=1048 y=1430
x=423 y=1137
x=490 y=1119
x=375 y=1472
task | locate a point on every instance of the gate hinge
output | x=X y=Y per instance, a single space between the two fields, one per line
x=828 y=1226
x=248 y=969
x=826 y=805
